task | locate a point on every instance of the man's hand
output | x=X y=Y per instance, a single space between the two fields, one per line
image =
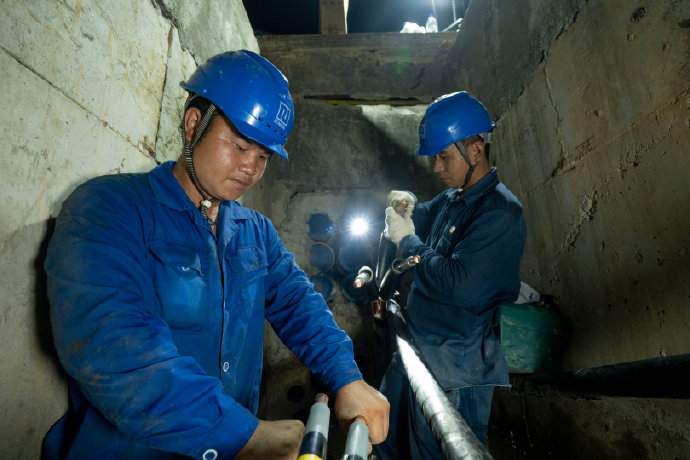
x=358 y=398
x=398 y=227
x=401 y=199
x=279 y=440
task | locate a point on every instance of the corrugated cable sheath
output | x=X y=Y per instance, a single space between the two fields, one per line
x=454 y=437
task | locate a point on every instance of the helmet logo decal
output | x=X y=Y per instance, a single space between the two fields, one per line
x=283 y=115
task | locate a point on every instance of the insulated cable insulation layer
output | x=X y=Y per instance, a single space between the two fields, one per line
x=315 y=441
x=357 y=443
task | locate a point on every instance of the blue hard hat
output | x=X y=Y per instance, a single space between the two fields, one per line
x=449 y=119
x=251 y=92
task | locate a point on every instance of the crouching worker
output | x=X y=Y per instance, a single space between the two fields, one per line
x=159 y=284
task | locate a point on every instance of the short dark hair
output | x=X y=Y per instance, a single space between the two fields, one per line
x=201 y=103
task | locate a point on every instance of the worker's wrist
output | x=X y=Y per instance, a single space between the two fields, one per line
x=228 y=436
x=409 y=244
x=349 y=378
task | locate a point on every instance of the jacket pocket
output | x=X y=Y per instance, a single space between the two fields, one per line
x=247 y=259
x=443 y=246
x=180 y=275
x=249 y=269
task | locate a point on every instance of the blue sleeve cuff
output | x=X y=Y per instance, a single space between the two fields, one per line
x=343 y=373
x=228 y=437
x=409 y=246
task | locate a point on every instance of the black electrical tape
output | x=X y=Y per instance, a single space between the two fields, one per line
x=313 y=446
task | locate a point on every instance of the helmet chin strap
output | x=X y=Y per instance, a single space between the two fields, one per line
x=464 y=154
x=207 y=200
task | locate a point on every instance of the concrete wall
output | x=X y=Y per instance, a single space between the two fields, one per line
x=593 y=134
x=595 y=145
x=87 y=88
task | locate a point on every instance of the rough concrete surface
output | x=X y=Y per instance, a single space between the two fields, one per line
x=36 y=179
x=601 y=171
x=210 y=27
x=500 y=44
x=180 y=66
x=363 y=66
x=86 y=88
x=610 y=428
x=593 y=139
x=81 y=49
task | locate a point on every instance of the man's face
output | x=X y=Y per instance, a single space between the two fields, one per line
x=228 y=164
x=450 y=166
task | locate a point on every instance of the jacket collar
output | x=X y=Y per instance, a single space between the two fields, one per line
x=484 y=185
x=168 y=191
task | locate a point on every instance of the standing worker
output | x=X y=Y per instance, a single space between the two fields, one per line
x=470 y=239
x=159 y=284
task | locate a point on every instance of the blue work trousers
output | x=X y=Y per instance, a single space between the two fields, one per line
x=409 y=436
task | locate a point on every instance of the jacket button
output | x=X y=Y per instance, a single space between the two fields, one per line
x=210 y=454
x=226 y=366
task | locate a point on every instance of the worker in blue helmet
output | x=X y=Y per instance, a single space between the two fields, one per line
x=160 y=283
x=470 y=238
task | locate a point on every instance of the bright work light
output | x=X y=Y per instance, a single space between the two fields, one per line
x=359 y=226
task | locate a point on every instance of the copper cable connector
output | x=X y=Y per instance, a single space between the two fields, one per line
x=377 y=308
x=400 y=266
x=363 y=277
x=402 y=206
x=360 y=418
x=321 y=398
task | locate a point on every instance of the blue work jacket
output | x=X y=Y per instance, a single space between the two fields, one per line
x=160 y=323
x=471 y=245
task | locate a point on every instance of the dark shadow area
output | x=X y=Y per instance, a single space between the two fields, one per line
x=518 y=431
x=44 y=331
x=42 y=305
x=649 y=378
x=276 y=17
x=297 y=17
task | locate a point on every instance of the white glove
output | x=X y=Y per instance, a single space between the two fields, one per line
x=395 y=198
x=397 y=226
